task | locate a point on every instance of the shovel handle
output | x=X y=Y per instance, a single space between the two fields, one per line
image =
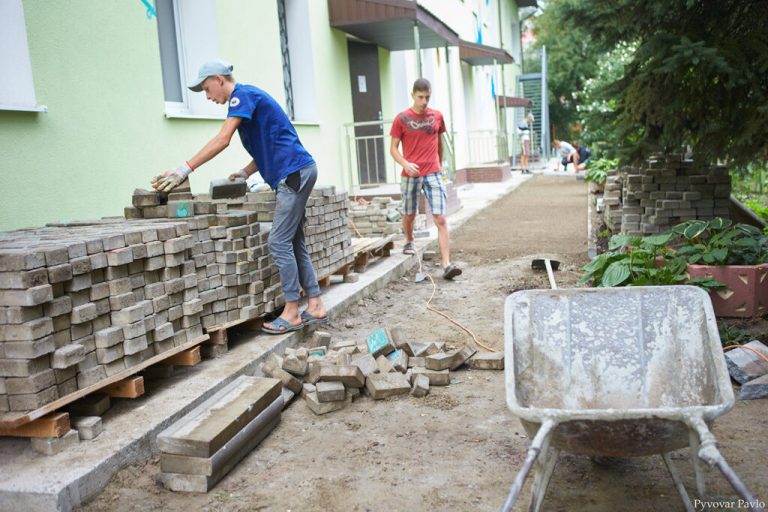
x=550 y=274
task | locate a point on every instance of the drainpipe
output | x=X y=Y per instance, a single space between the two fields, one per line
x=502 y=111
x=417 y=46
x=450 y=108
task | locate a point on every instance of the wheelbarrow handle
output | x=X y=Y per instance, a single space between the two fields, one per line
x=709 y=453
x=539 y=441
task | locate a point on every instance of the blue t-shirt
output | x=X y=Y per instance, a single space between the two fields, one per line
x=267 y=134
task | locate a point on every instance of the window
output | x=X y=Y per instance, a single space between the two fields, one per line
x=17 y=90
x=186 y=31
x=298 y=64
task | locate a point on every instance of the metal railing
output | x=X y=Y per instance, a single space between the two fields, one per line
x=487 y=146
x=368 y=161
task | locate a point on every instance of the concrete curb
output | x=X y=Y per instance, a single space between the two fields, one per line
x=34 y=482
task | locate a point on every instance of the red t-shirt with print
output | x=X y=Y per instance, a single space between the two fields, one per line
x=420 y=136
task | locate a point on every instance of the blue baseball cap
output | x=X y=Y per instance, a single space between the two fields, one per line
x=211 y=68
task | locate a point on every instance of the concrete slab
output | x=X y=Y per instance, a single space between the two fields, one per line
x=34 y=482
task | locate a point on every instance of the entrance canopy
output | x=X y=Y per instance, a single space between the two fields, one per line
x=511 y=102
x=390 y=23
x=482 y=55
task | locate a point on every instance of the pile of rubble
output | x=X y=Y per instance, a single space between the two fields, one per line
x=380 y=217
x=749 y=369
x=330 y=374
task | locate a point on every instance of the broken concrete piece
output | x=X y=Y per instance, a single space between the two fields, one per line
x=420 y=386
x=88 y=427
x=330 y=391
x=487 y=361
x=295 y=366
x=744 y=365
x=206 y=428
x=54 y=445
x=380 y=342
x=385 y=385
x=754 y=389
x=200 y=474
x=272 y=367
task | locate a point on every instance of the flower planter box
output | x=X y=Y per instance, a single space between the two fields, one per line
x=746 y=291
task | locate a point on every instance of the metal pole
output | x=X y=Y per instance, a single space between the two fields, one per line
x=417 y=47
x=545 y=141
x=503 y=111
x=450 y=108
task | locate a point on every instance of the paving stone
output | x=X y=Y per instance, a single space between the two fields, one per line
x=319 y=408
x=295 y=366
x=54 y=445
x=68 y=355
x=350 y=375
x=754 y=389
x=28 y=331
x=88 y=427
x=31 y=401
x=367 y=364
x=436 y=377
x=461 y=356
x=399 y=360
x=439 y=361
x=273 y=367
x=23 y=367
x=385 y=385
x=204 y=430
x=32 y=384
x=420 y=386
x=29 y=349
x=308 y=388
x=383 y=365
x=417 y=361
x=487 y=361
x=744 y=365
x=380 y=343
x=330 y=391
x=109 y=337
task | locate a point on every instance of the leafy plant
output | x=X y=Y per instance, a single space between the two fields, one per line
x=631 y=261
x=598 y=170
x=720 y=242
x=760 y=208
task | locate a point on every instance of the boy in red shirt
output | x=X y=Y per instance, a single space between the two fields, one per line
x=419 y=129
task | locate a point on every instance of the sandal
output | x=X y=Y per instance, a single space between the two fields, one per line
x=281 y=326
x=409 y=248
x=308 y=318
x=451 y=271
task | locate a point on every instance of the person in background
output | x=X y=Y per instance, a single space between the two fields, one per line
x=525 y=128
x=580 y=158
x=563 y=149
x=419 y=129
x=278 y=155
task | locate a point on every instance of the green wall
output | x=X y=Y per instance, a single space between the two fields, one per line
x=105 y=134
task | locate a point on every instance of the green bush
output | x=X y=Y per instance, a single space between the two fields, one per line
x=760 y=208
x=719 y=242
x=598 y=170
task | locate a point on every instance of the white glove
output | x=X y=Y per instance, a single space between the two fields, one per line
x=171 y=179
x=239 y=175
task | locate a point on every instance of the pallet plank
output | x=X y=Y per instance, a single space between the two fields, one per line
x=53 y=425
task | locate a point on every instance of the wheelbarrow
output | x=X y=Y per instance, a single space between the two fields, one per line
x=616 y=372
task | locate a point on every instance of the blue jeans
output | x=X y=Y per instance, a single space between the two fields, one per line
x=286 y=238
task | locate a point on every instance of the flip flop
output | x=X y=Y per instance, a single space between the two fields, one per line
x=409 y=248
x=308 y=318
x=279 y=323
x=451 y=271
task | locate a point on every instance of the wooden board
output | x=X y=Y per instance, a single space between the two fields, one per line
x=53 y=425
x=131 y=387
x=189 y=357
x=13 y=420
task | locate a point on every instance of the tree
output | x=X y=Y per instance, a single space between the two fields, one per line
x=698 y=76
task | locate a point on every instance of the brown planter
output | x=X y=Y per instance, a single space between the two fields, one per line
x=746 y=291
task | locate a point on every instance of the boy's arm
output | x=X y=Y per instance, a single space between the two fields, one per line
x=410 y=169
x=440 y=149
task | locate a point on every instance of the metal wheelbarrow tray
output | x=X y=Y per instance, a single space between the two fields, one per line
x=616 y=372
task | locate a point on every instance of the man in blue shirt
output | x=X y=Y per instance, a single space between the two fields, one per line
x=269 y=137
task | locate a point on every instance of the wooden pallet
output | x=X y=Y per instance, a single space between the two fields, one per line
x=122 y=384
x=367 y=250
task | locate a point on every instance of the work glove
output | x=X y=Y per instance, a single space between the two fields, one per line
x=239 y=175
x=171 y=179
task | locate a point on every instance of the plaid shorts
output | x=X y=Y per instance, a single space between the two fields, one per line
x=434 y=189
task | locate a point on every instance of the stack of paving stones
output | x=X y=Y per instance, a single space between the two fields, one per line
x=202 y=447
x=330 y=374
x=667 y=191
x=81 y=302
x=381 y=217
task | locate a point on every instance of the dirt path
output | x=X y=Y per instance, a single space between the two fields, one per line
x=459 y=448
